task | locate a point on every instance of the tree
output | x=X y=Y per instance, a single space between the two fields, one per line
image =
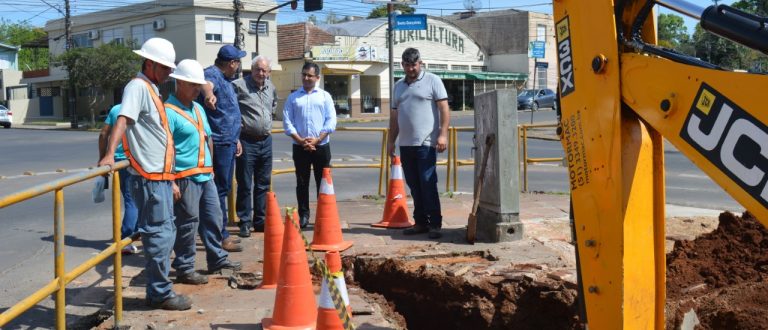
x=672 y=31
x=100 y=70
x=18 y=34
x=381 y=11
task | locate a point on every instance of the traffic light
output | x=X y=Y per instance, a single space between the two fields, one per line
x=313 y=5
x=294 y=4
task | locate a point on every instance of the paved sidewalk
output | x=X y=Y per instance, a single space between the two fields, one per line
x=218 y=306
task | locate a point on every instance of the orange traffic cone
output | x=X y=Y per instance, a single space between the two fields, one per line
x=327 y=235
x=273 y=243
x=295 y=306
x=327 y=316
x=396 y=207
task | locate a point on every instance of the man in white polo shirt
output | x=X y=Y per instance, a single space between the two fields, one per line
x=420 y=117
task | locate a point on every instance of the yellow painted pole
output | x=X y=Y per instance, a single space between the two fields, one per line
x=525 y=158
x=58 y=247
x=519 y=152
x=28 y=302
x=449 y=164
x=118 y=266
x=455 y=158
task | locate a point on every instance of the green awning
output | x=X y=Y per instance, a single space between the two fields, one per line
x=459 y=75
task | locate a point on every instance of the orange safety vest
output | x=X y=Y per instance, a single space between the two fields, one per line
x=170 y=154
x=200 y=168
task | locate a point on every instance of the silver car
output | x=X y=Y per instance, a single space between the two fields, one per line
x=6 y=117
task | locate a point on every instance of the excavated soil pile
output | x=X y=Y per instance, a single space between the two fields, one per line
x=454 y=293
x=722 y=276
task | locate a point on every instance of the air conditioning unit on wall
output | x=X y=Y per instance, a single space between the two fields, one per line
x=93 y=34
x=158 y=24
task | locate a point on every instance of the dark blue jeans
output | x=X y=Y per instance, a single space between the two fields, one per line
x=253 y=173
x=130 y=213
x=223 y=165
x=197 y=211
x=421 y=176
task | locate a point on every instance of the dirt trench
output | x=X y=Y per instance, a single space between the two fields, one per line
x=722 y=276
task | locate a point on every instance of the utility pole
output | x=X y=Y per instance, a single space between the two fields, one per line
x=68 y=47
x=239 y=42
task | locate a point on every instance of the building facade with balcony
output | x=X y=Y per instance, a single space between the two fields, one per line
x=355 y=69
x=197 y=28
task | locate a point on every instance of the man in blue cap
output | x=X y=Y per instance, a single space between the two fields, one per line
x=220 y=102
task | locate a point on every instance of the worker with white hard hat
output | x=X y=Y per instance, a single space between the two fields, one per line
x=143 y=127
x=197 y=205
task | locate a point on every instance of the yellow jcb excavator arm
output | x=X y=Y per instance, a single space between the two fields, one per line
x=619 y=96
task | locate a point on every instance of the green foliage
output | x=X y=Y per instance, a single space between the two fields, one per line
x=100 y=70
x=17 y=34
x=381 y=11
x=672 y=31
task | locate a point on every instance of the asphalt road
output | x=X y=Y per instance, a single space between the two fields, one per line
x=26 y=244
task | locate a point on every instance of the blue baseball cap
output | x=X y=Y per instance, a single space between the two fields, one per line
x=230 y=53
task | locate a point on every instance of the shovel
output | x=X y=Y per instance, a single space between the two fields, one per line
x=472 y=226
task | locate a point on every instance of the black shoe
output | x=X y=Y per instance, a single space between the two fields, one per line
x=258 y=227
x=416 y=229
x=230 y=265
x=304 y=221
x=193 y=278
x=434 y=233
x=176 y=303
x=245 y=230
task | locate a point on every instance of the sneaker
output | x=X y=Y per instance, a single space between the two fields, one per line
x=304 y=222
x=129 y=249
x=230 y=265
x=175 y=303
x=416 y=229
x=245 y=230
x=434 y=233
x=193 y=278
x=258 y=228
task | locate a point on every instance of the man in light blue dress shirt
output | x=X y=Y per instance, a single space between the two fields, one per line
x=309 y=118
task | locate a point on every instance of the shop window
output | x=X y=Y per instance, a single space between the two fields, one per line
x=370 y=92
x=219 y=30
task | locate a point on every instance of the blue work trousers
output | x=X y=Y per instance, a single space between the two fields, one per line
x=253 y=173
x=223 y=166
x=197 y=211
x=130 y=213
x=154 y=201
x=419 y=168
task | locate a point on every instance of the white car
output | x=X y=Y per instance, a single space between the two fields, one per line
x=6 y=117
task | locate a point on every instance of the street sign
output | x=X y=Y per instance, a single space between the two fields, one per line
x=542 y=65
x=411 y=22
x=536 y=49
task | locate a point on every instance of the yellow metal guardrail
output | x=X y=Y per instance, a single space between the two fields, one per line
x=62 y=277
x=523 y=135
x=383 y=165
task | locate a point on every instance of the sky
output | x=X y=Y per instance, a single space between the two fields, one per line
x=37 y=12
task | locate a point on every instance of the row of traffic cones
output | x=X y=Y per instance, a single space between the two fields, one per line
x=285 y=265
x=285 y=258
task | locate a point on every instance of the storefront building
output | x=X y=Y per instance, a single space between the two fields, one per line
x=355 y=68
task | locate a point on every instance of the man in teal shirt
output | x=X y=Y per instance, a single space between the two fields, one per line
x=196 y=199
x=130 y=212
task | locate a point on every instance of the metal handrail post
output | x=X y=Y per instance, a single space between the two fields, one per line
x=450 y=159
x=525 y=158
x=116 y=237
x=455 y=158
x=58 y=247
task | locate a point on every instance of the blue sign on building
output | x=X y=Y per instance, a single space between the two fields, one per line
x=411 y=22
x=537 y=49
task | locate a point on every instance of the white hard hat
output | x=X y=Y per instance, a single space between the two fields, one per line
x=189 y=71
x=158 y=50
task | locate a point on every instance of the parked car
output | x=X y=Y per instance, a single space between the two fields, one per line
x=530 y=99
x=6 y=117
